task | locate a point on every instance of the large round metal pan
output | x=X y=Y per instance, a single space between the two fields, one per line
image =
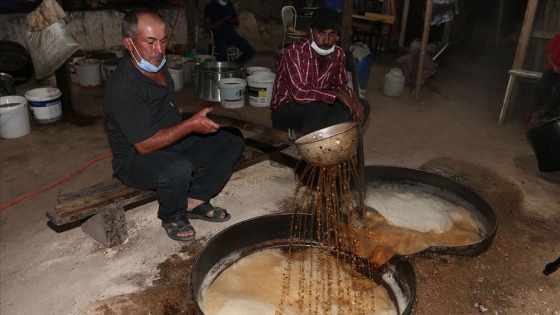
x=408 y=179
x=273 y=231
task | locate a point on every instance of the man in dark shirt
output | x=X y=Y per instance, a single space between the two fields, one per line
x=186 y=161
x=220 y=18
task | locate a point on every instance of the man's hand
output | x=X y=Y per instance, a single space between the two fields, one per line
x=354 y=106
x=199 y=123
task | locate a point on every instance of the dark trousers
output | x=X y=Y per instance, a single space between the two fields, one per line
x=222 y=43
x=548 y=92
x=170 y=171
x=312 y=116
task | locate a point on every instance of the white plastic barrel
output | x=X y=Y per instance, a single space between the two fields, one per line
x=260 y=88
x=232 y=92
x=394 y=83
x=14 y=117
x=45 y=104
x=89 y=72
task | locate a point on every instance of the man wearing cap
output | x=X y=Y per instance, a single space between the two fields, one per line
x=311 y=86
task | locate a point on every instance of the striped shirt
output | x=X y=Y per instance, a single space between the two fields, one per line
x=298 y=79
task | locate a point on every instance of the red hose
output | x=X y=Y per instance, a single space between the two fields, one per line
x=51 y=185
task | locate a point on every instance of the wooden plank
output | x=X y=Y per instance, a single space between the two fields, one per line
x=388 y=19
x=535 y=75
x=89 y=201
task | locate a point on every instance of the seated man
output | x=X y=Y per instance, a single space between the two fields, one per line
x=311 y=86
x=221 y=18
x=548 y=97
x=186 y=161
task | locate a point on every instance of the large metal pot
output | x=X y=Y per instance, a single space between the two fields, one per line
x=209 y=73
x=273 y=231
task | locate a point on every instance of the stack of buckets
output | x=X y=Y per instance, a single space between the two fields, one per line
x=260 y=83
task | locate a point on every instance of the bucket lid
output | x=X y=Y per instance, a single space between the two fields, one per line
x=232 y=82
x=251 y=70
x=262 y=77
x=43 y=94
x=88 y=62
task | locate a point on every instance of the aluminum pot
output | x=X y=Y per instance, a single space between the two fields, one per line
x=330 y=145
x=209 y=73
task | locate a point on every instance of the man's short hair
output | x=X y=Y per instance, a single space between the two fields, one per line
x=130 y=21
x=325 y=19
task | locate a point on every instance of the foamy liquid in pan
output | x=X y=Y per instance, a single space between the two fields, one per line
x=257 y=284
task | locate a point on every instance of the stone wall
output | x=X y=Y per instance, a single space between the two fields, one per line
x=100 y=29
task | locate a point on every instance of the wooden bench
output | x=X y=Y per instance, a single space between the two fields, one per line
x=513 y=74
x=102 y=206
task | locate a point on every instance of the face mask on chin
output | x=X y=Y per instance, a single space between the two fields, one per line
x=144 y=64
x=222 y=2
x=319 y=50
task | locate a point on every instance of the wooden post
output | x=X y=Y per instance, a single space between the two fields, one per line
x=190 y=15
x=64 y=83
x=425 y=38
x=525 y=34
x=404 y=22
x=346 y=31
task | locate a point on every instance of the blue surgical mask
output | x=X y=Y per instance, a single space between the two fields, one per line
x=144 y=64
x=319 y=50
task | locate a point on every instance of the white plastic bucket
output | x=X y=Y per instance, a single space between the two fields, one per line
x=89 y=72
x=45 y=104
x=232 y=92
x=253 y=70
x=394 y=83
x=176 y=71
x=14 y=117
x=259 y=88
x=110 y=65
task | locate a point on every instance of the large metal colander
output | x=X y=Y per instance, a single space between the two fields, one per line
x=330 y=145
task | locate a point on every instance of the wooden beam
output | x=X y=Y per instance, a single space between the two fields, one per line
x=525 y=34
x=190 y=15
x=346 y=31
x=404 y=22
x=425 y=38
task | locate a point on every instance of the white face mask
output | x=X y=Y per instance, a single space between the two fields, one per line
x=222 y=2
x=319 y=50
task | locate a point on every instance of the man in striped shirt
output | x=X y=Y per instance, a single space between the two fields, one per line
x=311 y=86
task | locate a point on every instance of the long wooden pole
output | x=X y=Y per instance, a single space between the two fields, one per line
x=404 y=22
x=525 y=34
x=346 y=31
x=190 y=15
x=425 y=38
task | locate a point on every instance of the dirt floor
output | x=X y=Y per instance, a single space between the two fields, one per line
x=450 y=129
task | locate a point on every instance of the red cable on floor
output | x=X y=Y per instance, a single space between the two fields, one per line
x=51 y=185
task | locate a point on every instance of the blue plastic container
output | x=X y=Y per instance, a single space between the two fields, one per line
x=335 y=5
x=363 y=69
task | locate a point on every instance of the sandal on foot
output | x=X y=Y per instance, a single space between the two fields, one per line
x=174 y=226
x=201 y=212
